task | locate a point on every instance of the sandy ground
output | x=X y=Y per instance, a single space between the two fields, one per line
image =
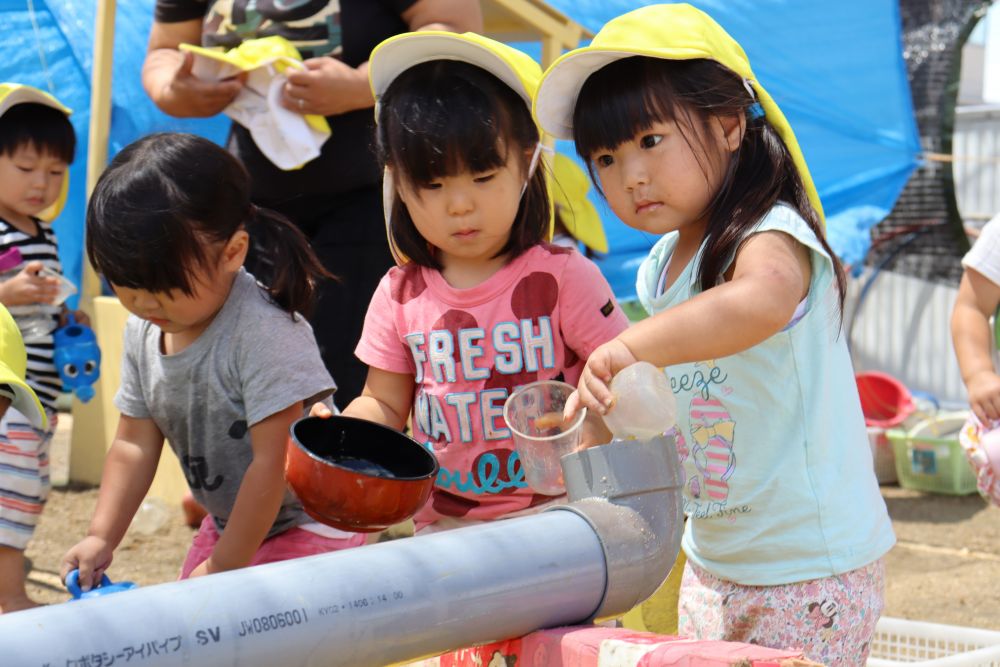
x=944 y=569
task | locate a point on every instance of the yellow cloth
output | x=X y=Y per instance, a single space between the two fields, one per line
x=288 y=139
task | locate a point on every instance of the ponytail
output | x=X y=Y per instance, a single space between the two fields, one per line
x=285 y=263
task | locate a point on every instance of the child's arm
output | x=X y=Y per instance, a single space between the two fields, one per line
x=770 y=276
x=977 y=300
x=260 y=495
x=386 y=399
x=128 y=471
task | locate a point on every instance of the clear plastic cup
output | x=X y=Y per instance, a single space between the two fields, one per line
x=534 y=415
x=644 y=405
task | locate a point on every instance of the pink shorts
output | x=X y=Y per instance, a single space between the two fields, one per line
x=831 y=620
x=293 y=543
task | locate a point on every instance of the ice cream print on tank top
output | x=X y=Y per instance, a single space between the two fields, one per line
x=706 y=448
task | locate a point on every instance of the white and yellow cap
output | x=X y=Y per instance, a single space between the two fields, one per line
x=13 y=362
x=399 y=53
x=668 y=31
x=17 y=93
x=569 y=192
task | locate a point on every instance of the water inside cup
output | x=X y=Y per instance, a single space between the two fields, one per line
x=534 y=415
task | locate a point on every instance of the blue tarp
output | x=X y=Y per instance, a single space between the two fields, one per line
x=49 y=44
x=836 y=69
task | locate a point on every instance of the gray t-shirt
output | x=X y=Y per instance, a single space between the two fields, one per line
x=250 y=363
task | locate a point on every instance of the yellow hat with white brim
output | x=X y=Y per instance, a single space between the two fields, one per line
x=670 y=32
x=397 y=54
x=12 y=94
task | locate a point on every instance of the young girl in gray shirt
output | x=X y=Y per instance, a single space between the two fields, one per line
x=214 y=362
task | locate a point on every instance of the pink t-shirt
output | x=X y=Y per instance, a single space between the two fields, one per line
x=538 y=318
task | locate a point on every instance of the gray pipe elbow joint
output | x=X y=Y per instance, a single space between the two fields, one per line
x=630 y=493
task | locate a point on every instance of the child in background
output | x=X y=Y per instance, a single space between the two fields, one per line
x=481 y=304
x=37 y=143
x=786 y=526
x=17 y=517
x=215 y=362
x=973 y=337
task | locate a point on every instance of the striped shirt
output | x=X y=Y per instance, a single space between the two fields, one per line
x=41 y=373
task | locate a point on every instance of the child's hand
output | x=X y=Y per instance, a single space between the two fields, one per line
x=91 y=556
x=320 y=410
x=602 y=365
x=82 y=318
x=203 y=568
x=984 y=396
x=27 y=287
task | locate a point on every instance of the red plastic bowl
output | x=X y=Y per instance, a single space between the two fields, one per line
x=357 y=475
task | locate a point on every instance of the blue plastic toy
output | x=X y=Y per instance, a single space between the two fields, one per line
x=77 y=358
x=105 y=587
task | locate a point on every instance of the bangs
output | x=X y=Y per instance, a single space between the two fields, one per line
x=136 y=239
x=39 y=126
x=425 y=139
x=619 y=101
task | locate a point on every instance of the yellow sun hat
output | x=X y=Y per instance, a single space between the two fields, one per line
x=13 y=362
x=670 y=32
x=12 y=94
x=397 y=54
x=570 y=186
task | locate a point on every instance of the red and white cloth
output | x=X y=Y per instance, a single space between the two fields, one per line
x=593 y=646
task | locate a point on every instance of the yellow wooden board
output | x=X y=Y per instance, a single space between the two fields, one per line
x=659 y=613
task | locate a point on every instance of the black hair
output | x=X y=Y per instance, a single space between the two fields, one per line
x=40 y=126
x=445 y=117
x=629 y=95
x=167 y=199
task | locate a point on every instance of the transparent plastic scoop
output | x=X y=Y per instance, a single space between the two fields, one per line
x=644 y=404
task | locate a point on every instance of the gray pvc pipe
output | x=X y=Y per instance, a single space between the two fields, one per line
x=384 y=603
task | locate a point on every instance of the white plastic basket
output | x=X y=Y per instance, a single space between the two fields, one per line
x=920 y=644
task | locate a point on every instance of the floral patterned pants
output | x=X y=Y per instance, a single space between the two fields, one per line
x=831 y=619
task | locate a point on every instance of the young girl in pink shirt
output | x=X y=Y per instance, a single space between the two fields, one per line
x=480 y=304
